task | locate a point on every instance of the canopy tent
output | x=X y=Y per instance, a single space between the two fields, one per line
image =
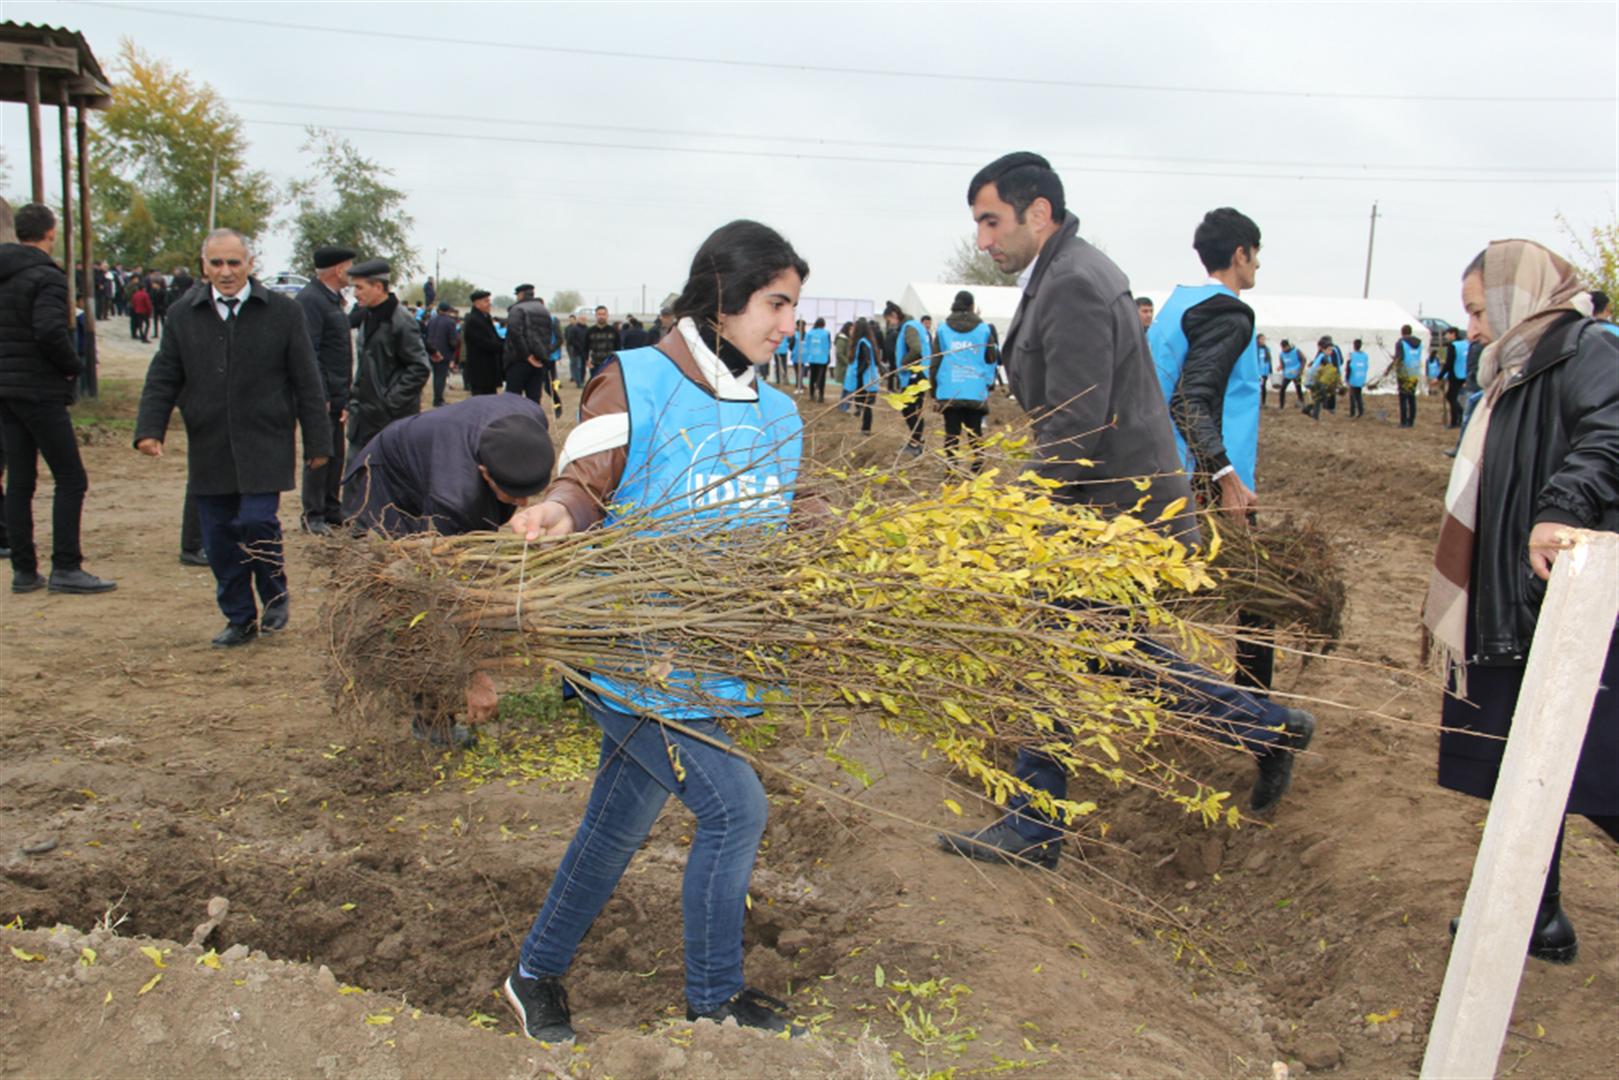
x=1303 y=320
x=996 y=303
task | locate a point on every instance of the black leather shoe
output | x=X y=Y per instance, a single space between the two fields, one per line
x=234 y=635
x=194 y=558
x=80 y=582
x=275 y=615
x=26 y=581
x=750 y=1009
x=1554 y=940
x=317 y=526
x=1001 y=843
x=1276 y=764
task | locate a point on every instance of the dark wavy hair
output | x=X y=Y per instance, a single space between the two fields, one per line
x=736 y=261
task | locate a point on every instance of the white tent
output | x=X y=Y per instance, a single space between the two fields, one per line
x=1304 y=319
x=996 y=303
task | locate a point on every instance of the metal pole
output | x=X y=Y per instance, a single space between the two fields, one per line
x=1366 y=289
x=87 y=260
x=66 y=143
x=36 y=152
x=213 y=192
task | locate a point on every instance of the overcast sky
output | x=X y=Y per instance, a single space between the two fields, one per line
x=865 y=170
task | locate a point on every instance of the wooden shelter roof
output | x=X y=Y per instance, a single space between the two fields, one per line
x=62 y=58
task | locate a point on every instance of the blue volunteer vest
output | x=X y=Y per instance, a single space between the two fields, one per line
x=1263 y=356
x=1239 y=417
x=1292 y=363
x=1459 y=369
x=556 y=340
x=786 y=346
x=727 y=463
x=1359 y=364
x=965 y=373
x=818 y=347
x=862 y=355
x=1411 y=363
x=911 y=367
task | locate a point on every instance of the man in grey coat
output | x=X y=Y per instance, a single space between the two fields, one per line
x=236 y=359
x=393 y=364
x=1079 y=364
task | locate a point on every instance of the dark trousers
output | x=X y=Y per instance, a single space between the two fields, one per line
x=1281 y=392
x=1264 y=390
x=320 y=501
x=1408 y=408
x=1453 y=402
x=190 y=524
x=817 y=382
x=441 y=378
x=242 y=535
x=956 y=418
x=862 y=400
x=532 y=382
x=914 y=419
x=103 y=304
x=137 y=326
x=30 y=430
x=576 y=368
x=1357 y=401
x=779 y=375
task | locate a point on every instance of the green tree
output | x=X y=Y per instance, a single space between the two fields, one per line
x=969 y=266
x=1597 y=252
x=347 y=199
x=154 y=153
x=566 y=300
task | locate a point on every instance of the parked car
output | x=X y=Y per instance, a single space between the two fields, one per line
x=284 y=282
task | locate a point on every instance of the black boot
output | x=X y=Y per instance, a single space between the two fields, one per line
x=1553 y=940
x=1276 y=763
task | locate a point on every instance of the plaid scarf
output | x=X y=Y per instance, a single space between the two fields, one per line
x=1526 y=290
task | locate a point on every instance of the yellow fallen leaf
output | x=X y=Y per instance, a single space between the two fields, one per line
x=349 y=906
x=108 y=999
x=1382 y=1018
x=87 y=956
x=155 y=979
x=1540 y=1030
x=378 y=1019
x=209 y=959
x=953 y=806
x=351 y=989
x=154 y=955
x=27 y=957
x=483 y=1021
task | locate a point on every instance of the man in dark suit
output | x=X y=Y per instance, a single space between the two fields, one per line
x=482 y=347
x=238 y=362
x=328 y=322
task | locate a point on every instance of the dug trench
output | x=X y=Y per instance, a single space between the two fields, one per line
x=143 y=774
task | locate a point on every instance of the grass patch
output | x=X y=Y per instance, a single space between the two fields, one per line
x=114 y=406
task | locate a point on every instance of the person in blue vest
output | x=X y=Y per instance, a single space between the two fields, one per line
x=1321 y=378
x=817 y=358
x=863 y=374
x=1266 y=366
x=1409 y=365
x=1205 y=351
x=782 y=357
x=1355 y=369
x=800 y=330
x=680 y=428
x=962 y=371
x=1292 y=362
x=911 y=354
x=1456 y=350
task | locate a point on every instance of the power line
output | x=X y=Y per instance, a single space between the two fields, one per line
x=375 y=33
x=856 y=159
x=889 y=145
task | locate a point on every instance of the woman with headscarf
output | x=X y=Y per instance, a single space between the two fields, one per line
x=1541 y=455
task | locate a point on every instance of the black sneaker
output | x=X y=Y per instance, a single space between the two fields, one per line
x=1276 y=763
x=751 y=1009
x=1001 y=843
x=24 y=581
x=194 y=558
x=541 y=1006
x=79 y=582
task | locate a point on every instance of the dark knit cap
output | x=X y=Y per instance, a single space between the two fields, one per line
x=517 y=451
x=963 y=301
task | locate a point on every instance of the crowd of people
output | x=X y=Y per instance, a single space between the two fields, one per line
x=1132 y=410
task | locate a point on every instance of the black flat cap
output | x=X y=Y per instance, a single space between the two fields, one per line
x=329 y=255
x=478 y=294
x=375 y=269
x=517 y=451
x=445 y=305
x=523 y=288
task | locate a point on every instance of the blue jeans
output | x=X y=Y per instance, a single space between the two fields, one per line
x=1229 y=713
x=633 y=782
x=242 y=536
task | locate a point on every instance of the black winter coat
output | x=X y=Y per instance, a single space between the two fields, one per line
x=1551 y=454
x=481 y=348
x=393 y=369
x=329 y=336
x=37 y=358
x=240 y=389
x=528 y=332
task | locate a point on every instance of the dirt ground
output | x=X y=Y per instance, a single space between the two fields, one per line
x=143 y=773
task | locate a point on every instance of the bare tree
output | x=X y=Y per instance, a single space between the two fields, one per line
x=969 y=266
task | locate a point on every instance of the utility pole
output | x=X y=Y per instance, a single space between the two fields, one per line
x=213 y=192
x=643 y=299
x=1371 y=238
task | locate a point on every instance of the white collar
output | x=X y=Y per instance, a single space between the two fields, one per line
x=220 y=298
x=726 y=387
x=1028 y=272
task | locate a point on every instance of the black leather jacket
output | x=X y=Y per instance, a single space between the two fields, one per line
x=393 y=368
x=1552 y=454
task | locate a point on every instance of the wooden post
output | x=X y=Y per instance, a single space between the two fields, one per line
x=1537 y=770
x=87 y=259
x=36 y=153
x=66 y=144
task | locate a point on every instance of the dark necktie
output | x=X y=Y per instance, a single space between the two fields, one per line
x=230 y=303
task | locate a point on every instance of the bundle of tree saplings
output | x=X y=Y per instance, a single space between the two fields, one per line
x=964 y=617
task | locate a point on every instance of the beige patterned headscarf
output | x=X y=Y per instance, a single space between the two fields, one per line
x=1526 y=290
